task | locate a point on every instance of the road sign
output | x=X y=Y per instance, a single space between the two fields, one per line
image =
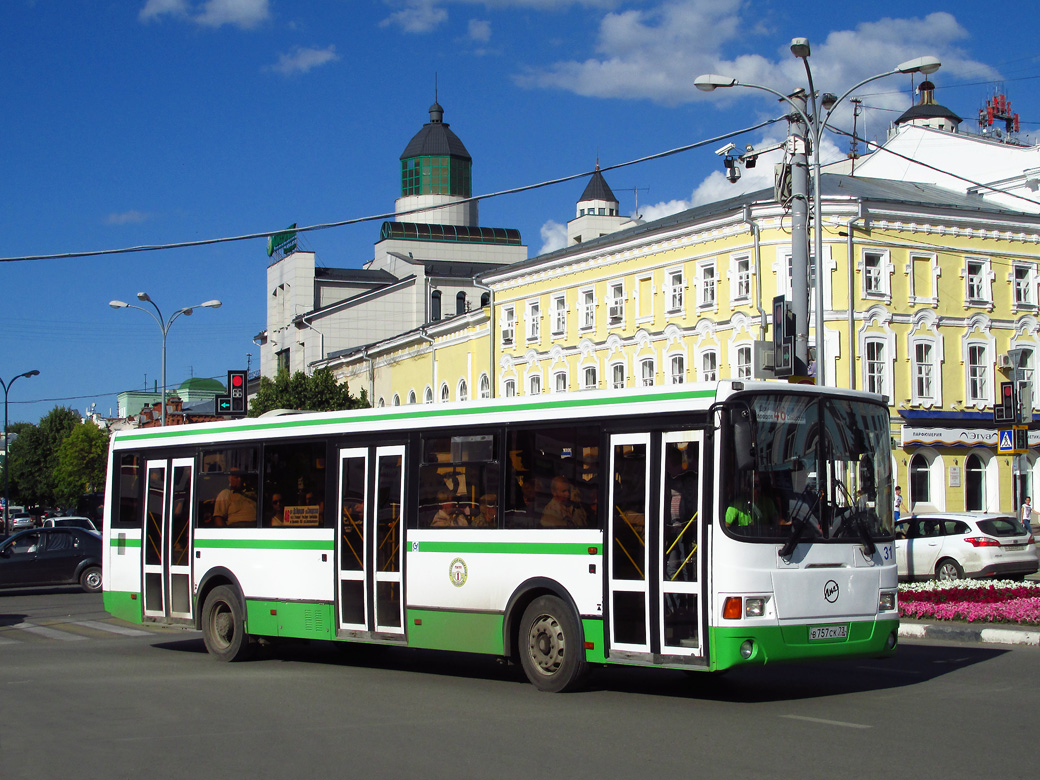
x=1005 y=442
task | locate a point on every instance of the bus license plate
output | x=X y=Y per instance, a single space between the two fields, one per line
x=817 y=633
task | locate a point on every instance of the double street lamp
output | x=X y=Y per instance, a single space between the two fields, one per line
x=7 y=447
x=812 y=118
x=164 y=326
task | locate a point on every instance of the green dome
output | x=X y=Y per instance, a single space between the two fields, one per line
x=202 y=384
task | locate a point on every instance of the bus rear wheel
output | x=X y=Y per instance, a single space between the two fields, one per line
x=224 y=626
x=551 y=646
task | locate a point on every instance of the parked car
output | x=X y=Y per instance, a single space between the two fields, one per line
x=70 y=522
x=951 y=545
x=51 y=556
x=22 y=522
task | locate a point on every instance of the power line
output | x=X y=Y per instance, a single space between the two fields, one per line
x=386 y=215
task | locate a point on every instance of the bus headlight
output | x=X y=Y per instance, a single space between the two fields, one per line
x=887 y=601
x=755 y=606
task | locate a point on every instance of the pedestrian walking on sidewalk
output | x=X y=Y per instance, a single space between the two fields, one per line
x=1027 y=514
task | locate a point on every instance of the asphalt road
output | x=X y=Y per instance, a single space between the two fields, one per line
x=104 y=704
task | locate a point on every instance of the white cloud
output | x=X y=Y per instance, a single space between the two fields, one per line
x=301 y=60
x=479 y=30
x=554 y=236
x=131 y=217
x=419 y=16
x=210 y=13
x=655 y=53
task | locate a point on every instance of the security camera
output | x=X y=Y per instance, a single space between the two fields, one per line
x=733 y=174
x=725 y=150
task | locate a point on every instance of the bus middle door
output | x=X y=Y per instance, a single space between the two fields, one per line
x=167 y=580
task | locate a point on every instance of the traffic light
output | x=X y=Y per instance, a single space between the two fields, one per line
x=1005 y=409
x=236 y=381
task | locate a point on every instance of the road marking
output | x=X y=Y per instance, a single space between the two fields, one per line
x=49 y=633
x=826 y=722
x=98 y=625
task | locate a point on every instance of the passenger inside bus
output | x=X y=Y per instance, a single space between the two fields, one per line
x=236 y=504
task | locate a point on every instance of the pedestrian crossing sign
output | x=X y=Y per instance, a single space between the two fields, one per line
x=1006 y=442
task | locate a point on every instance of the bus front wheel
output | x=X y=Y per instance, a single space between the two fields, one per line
x=551 y=648
x=224 y=626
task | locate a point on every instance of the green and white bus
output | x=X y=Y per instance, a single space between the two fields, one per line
x=696 y=527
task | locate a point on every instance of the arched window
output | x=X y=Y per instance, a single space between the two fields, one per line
x=485 y=386
x=485 y=299
x=445 y=393
x=411 y=396
x=397 y=400
x=435 y=305
x=974 y=484
x=534 y=384
x=428 y=395
x=460 y=303
x=920 y=492
x=463 y=391
x=510 y=388
x=380 y=403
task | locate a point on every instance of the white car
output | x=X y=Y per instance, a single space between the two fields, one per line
x=71 y=522
x=952 y=545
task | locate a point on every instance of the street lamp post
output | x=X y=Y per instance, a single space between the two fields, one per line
x=164 y=326
x=7 y=447
x=807 y=114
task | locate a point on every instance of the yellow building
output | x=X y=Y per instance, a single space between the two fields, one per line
x=925 y=292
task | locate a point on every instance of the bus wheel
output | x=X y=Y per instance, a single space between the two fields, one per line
x=551 y=647
x=224 y=626
x=90 y=579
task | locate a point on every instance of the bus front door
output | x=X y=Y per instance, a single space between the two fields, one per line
x=654 y=531
x=370 y=534
x=167 y=539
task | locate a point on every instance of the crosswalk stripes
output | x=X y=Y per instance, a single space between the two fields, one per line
x=68 y=631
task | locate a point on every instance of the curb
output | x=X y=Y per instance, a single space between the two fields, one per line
x=961 y=632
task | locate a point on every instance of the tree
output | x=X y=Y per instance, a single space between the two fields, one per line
x=319 y=392
x=82 y=459
x=34 y=456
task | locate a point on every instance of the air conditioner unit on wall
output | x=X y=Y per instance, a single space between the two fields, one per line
x=616 y=311
x=1003 y=362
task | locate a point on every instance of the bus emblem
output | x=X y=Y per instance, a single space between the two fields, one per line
x=458 y=572
x=830 y=591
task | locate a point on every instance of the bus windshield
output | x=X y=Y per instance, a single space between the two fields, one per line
x=802 y=468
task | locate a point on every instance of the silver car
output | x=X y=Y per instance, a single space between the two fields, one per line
x=952 y=545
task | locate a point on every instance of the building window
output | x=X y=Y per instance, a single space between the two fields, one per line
x=411 y=396
x=742 y=266
x=380 y=403
x=460 y=303
x=978 y=279
x=397 y=400
x=924 y=371
x=485 y=299
x=485 y=386
x=588 y=378
x=560 y=382
x=974 y=484
x=677 y=369
x=463 y=392
x=617 y=376
x=508 y=325
x=281 y=360
x=744 y=362
x=616 y=312
x=978 y=373
x=874 y=268
x=534 y=321
x=428 y=395
x=709 y=367
x=588 y=309
x=534 y=384
x=706 y=280
x=445 y=394
x=435 y=305
x=675 y=291
x=646 y=372
x=509 y=387
x=559 y=315
x=920 y=492
x=875 y=379
x=1024 y=286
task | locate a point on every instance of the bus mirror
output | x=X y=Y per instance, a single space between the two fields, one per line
x=743 y=441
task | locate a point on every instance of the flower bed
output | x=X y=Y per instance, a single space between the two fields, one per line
x=1000 y=601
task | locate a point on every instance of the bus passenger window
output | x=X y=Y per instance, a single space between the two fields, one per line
x=129 y=482
x=227 y=495
x=459 y=482
x=551 y=478
x=294 y=485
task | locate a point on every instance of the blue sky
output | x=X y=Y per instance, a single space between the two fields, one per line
x=167 y=121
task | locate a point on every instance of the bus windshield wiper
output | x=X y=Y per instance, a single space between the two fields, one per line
x=798 y=525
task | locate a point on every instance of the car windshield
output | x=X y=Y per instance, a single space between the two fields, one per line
x=802 y=467
x=1002 y=526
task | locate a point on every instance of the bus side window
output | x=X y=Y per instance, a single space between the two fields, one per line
x=294 y=485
